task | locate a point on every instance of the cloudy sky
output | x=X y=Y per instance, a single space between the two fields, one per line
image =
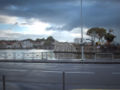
x=21 y=19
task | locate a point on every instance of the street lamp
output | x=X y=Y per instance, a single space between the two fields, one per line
x=81 y=22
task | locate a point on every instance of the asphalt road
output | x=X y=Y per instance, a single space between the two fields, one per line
x=28 y=76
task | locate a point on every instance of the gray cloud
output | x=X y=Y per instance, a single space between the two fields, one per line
x=11 y=35
x=102 y=13
x=53 y=11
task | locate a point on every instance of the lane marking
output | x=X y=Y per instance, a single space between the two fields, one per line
x=21 y=70
x=24 y=70
x=116 y=73
x=95 y=89
x=81 y=72
x=12 y=70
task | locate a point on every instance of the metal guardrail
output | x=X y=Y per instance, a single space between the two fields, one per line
x=38 y=55
x=25 y=56
x=110 y=54
x=4 y=81
x=54 y=56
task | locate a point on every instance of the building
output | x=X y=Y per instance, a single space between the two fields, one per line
x=28 y=43
x=2 y=44
x=77 y=40
x=38 y=44
x=64 y=47
x=16 y=44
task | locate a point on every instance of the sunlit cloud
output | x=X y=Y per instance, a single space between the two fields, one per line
x=4 y=19
x=76 y=32
x=36 y=27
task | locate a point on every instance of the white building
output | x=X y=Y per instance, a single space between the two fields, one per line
x=9 y=46
x=27 y=43
x=16 y=45
x=64 y=46
x=77 y=40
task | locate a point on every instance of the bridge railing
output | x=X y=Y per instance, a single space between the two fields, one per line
x=26 y=55
x=54 y=80
x=106 y=56
x=58 y=80
x=55 y=56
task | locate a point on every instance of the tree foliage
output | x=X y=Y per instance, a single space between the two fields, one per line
x=97 y=32
x=49 y=41
x=39 y=40
x=109 y=36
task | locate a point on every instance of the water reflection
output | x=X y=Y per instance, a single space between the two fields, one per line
x=51 y=55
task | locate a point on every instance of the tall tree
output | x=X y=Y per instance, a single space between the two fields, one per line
x=96 y=32
x=49 y=41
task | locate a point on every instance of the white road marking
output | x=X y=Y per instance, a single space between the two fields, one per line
x=116 y=73
x=13 y=70
x=82 y=72
x=96 y=89
x=21 y=70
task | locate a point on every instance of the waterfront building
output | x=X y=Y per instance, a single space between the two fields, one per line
x=27 y=43
x=64 y=47
x=77 y=40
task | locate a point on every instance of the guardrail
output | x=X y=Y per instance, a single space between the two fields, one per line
x=4 y=81
x=25 y=56
x=111 y=56
x=54 y=56
x=39 y=55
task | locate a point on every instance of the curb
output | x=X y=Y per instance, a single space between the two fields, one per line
x=62 y=62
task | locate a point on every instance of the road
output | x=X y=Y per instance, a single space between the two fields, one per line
x=41 y=76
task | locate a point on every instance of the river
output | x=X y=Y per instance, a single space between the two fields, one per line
x=35 y=54
x=41 y=54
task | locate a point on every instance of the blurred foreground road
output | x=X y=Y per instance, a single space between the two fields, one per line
x=48 y=76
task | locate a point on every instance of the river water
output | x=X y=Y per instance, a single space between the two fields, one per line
x=41 y=54
x=35 y=54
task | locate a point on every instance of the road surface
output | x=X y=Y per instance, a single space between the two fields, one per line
x=48 y=76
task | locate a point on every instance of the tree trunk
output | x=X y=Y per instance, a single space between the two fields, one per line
x=108 y=42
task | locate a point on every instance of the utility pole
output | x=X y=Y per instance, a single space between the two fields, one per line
x=81 y=22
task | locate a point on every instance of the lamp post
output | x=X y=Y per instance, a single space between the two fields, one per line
x=81 y=22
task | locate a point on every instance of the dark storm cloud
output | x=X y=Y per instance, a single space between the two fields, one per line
x=53 y=11
x=102 y=13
